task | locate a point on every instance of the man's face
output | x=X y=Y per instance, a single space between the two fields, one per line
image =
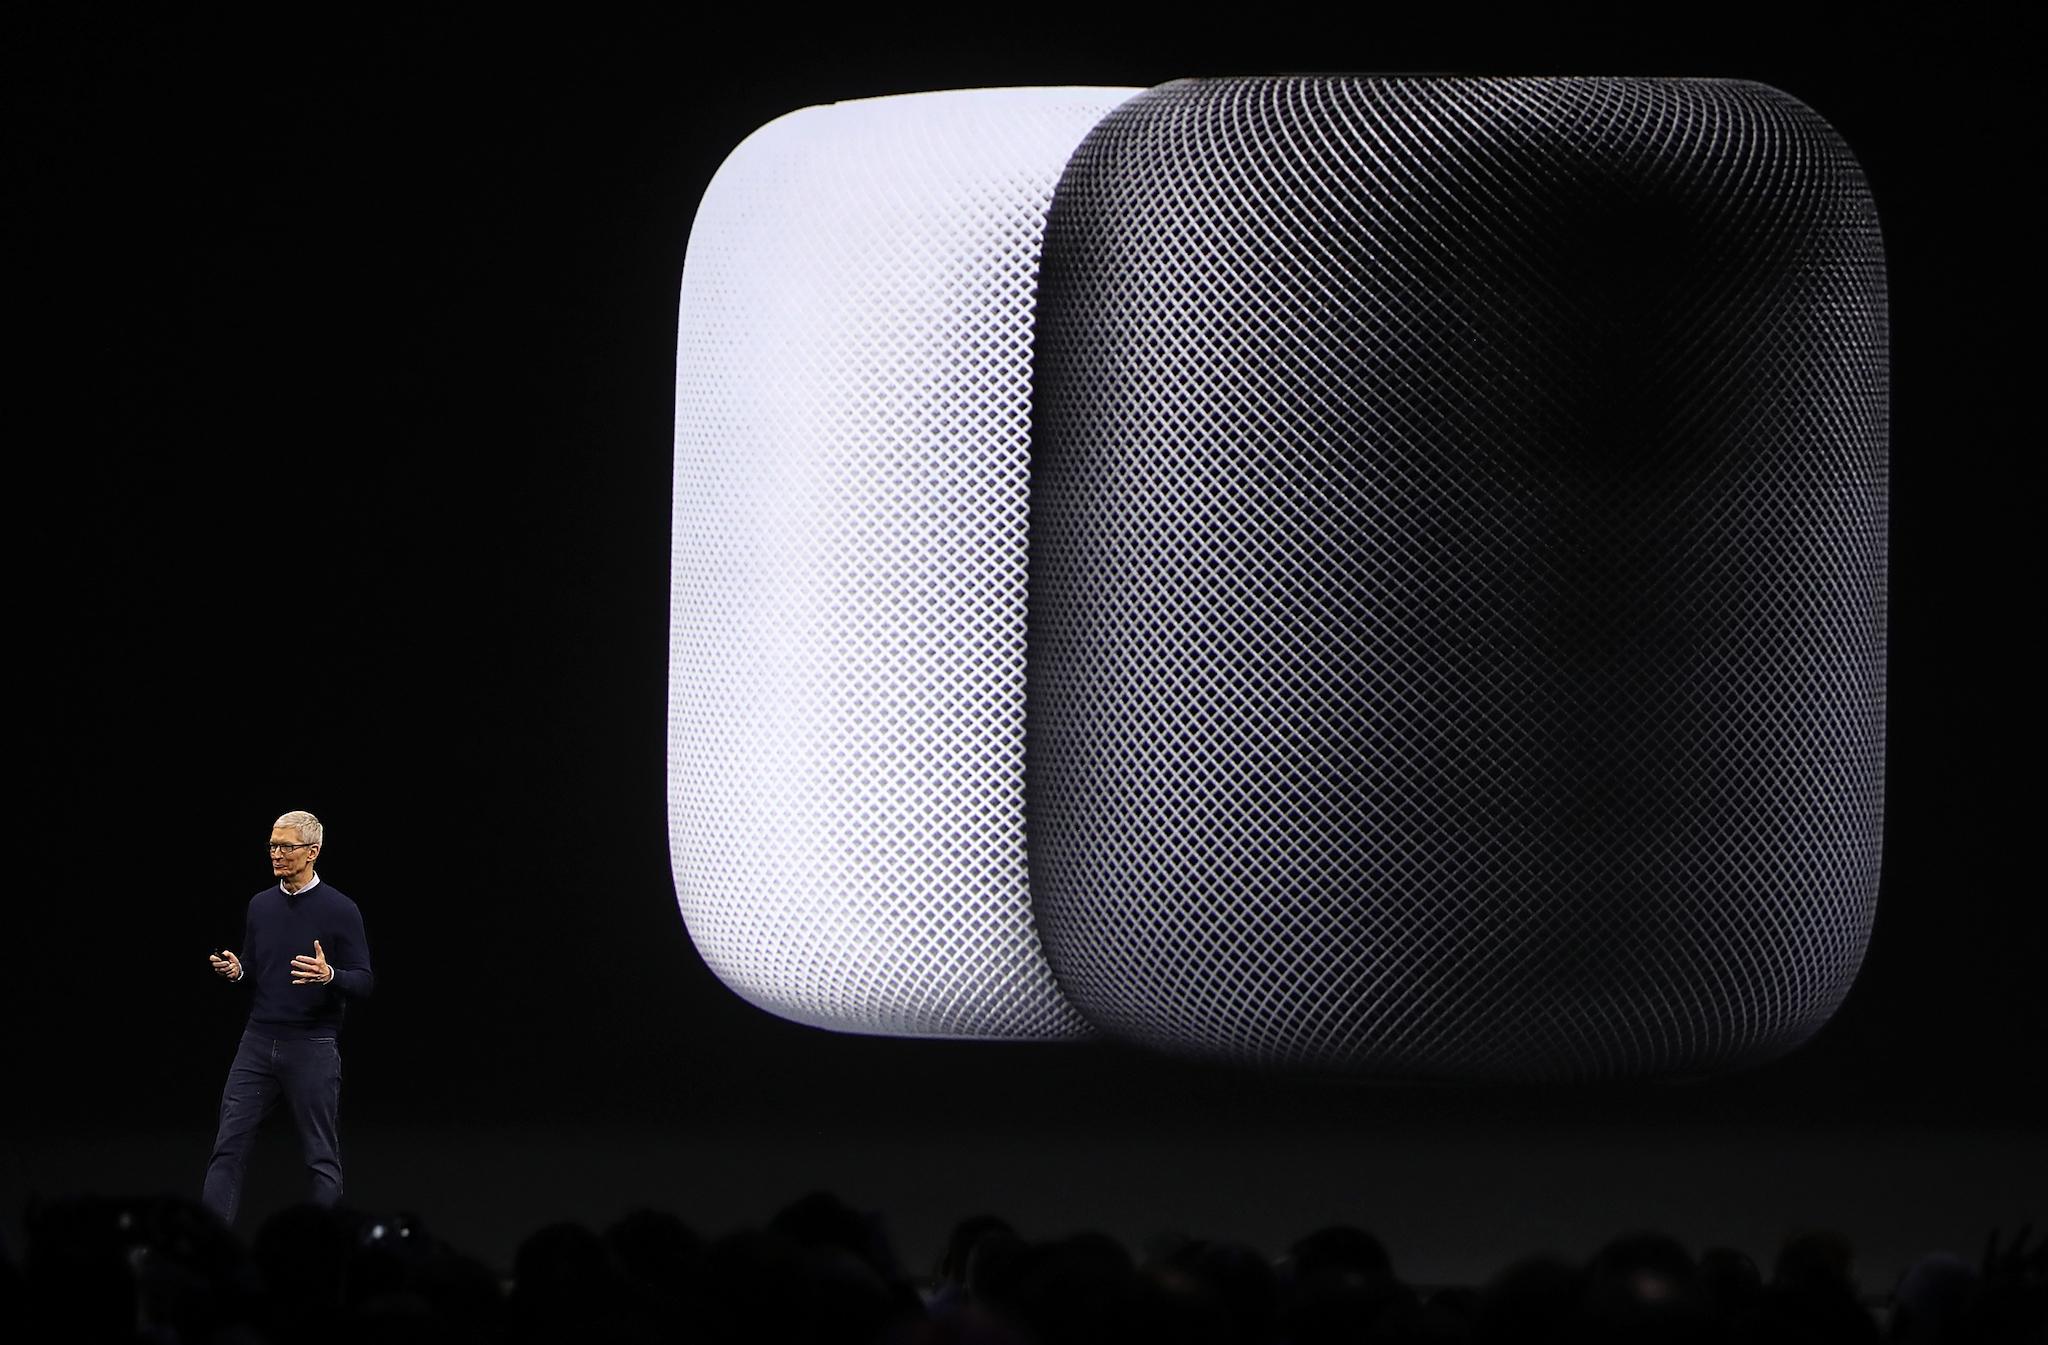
x=291 y=859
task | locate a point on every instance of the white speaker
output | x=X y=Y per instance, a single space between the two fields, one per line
x=846 y=679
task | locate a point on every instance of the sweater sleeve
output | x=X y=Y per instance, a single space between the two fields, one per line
x=242 y=955
x=351 y=960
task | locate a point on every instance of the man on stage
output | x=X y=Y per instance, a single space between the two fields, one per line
x=303 y=957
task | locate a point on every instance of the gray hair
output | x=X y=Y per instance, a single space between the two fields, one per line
x=310 y=830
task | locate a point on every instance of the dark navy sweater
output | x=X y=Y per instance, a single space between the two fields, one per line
x=282 y=926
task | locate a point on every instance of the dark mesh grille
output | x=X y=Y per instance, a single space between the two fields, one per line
x=1458 y=574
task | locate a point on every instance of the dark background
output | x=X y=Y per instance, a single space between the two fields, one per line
x=343 y=412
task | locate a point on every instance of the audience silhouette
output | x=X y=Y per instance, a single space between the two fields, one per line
x=165 y=1272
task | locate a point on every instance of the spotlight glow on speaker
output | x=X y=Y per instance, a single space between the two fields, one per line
x=1458 y=574
x=845 y=737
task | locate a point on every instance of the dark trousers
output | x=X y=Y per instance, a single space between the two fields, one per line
x=306 y=1073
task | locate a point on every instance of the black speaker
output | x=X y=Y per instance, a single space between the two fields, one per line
x=1457 y=574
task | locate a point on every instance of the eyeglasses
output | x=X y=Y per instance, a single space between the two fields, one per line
x=278 y=849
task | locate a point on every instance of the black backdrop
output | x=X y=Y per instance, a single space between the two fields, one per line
x=342 y=418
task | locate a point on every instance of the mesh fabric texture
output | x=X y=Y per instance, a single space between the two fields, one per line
x=1458 y=574
x=845 y=736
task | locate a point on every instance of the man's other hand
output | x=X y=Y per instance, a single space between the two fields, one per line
x=226 y=963
x=312 y=970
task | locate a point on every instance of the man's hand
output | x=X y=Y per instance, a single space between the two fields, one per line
x=312 y=970
x=226 y=963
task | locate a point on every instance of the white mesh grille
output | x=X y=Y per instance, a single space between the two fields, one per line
x=853 y=387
